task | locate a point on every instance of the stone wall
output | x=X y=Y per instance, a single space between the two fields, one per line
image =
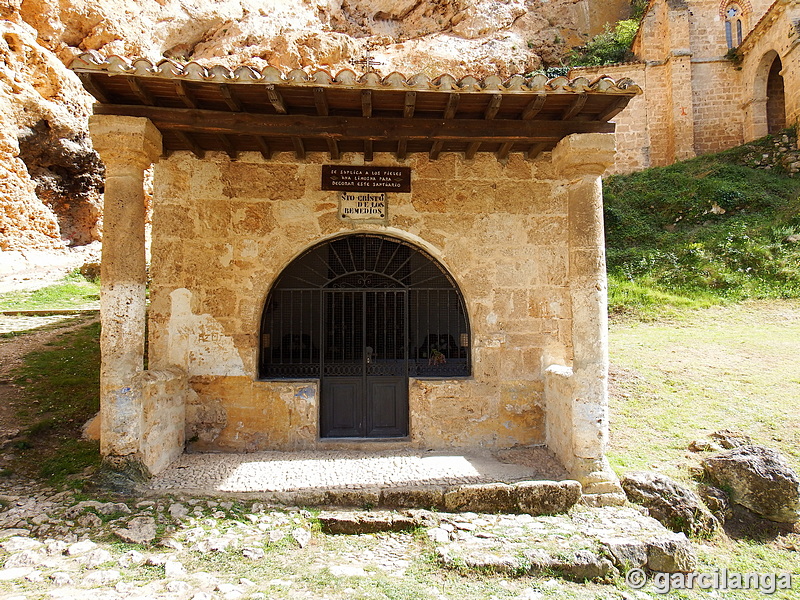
x=223 y=231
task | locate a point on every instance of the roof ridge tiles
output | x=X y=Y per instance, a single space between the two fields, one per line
x=92 y=61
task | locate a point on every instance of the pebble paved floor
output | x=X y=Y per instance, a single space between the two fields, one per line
x=326 y=470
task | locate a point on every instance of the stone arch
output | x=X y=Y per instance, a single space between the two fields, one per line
x=769 y=105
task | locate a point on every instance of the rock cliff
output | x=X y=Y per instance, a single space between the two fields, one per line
x=51 y=181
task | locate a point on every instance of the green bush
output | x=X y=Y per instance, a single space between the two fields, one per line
x=611 y=46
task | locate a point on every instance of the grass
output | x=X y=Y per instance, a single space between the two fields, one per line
x=60 y=392
x=73 y=291
x=705 y=231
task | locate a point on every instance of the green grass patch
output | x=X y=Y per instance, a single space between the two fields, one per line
x=59 y=393
x=73 y=291
x=704 y=231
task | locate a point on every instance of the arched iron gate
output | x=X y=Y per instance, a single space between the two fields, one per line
x=363 y=313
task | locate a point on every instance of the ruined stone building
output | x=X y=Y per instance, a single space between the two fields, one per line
x=353 y=262
x=715 y=74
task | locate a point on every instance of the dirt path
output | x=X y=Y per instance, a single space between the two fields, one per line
x=34 y=333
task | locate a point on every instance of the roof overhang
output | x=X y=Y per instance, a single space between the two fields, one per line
x=201 y=109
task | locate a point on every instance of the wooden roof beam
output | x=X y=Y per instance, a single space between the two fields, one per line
x=263 y=147
x=188 y=140
x=356 y=128
x=493 y=107
x=321 y=101
x=408 y=112
x=502 y=153
x=232 y=101
x=452 y=106
x=534 y=107
x=576 y=107
x=142 y=94
x=299 y=147
x=276 y=100
x=230 y=149
x=366 y=103
x=333 y=148
x=368 y=152
x=535 y=150
x=410 y=104
x=473 y=147
x=185 y=95
x=436 y=149
x=93 y=88
x=613 y=109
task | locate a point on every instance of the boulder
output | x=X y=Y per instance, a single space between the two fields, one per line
x=758 y=478
x=717 y=501
x=731 y=439
x=140 y=530
x=674 y=505
x=673 y=554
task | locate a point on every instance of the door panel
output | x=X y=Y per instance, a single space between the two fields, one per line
x=342 y=408
x=365 y=364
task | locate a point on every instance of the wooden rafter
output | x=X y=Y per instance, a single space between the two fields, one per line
x=231 y=100
x=188 y=140
x=576 y=106
x=534 y=107
x=227 y=144
x=535 y=150
x=321 y=101
x=299 y=147
x=613 y=110
x=142 y=94
x=493 y=107
x=502 y=153
x=185 y=95
x=276 y=100
x=95 y=90
x=343 y=128
x=263 y=147
x=366 y=103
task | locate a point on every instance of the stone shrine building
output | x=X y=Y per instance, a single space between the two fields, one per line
x=352 y=262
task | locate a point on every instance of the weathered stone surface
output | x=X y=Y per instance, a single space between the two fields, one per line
x=490 y=497
x=671 y=554
x=674 y=505
x=546 y=497
x=140 y=530
x=731 y=439
x=759 y=479
x=585 y=565
x=626 y=553
x=716 y=500
x=365 y=522
x=413 y=497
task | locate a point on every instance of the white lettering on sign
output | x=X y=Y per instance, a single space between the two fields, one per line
x=362 y=206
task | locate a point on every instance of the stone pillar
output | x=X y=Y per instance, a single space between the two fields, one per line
x=127 y=146
x=580 y=160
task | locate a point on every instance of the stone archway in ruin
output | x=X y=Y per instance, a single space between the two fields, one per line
x=768 y=106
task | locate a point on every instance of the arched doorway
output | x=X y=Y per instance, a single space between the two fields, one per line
x=363 y=313
x=776 y=103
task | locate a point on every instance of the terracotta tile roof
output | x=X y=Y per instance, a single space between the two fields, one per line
x=202 y=108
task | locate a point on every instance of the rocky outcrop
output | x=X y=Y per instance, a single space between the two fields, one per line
x=674 y=505
x=759 y=479
x=50 y=179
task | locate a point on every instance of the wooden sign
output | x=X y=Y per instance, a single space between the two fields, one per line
x=362 y=206
x=366 y=179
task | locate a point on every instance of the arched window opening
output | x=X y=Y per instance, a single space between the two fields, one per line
x=364 y=304
x=733 y=25
x=776 y=102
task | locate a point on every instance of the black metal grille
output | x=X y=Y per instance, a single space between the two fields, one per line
x=364 y=305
